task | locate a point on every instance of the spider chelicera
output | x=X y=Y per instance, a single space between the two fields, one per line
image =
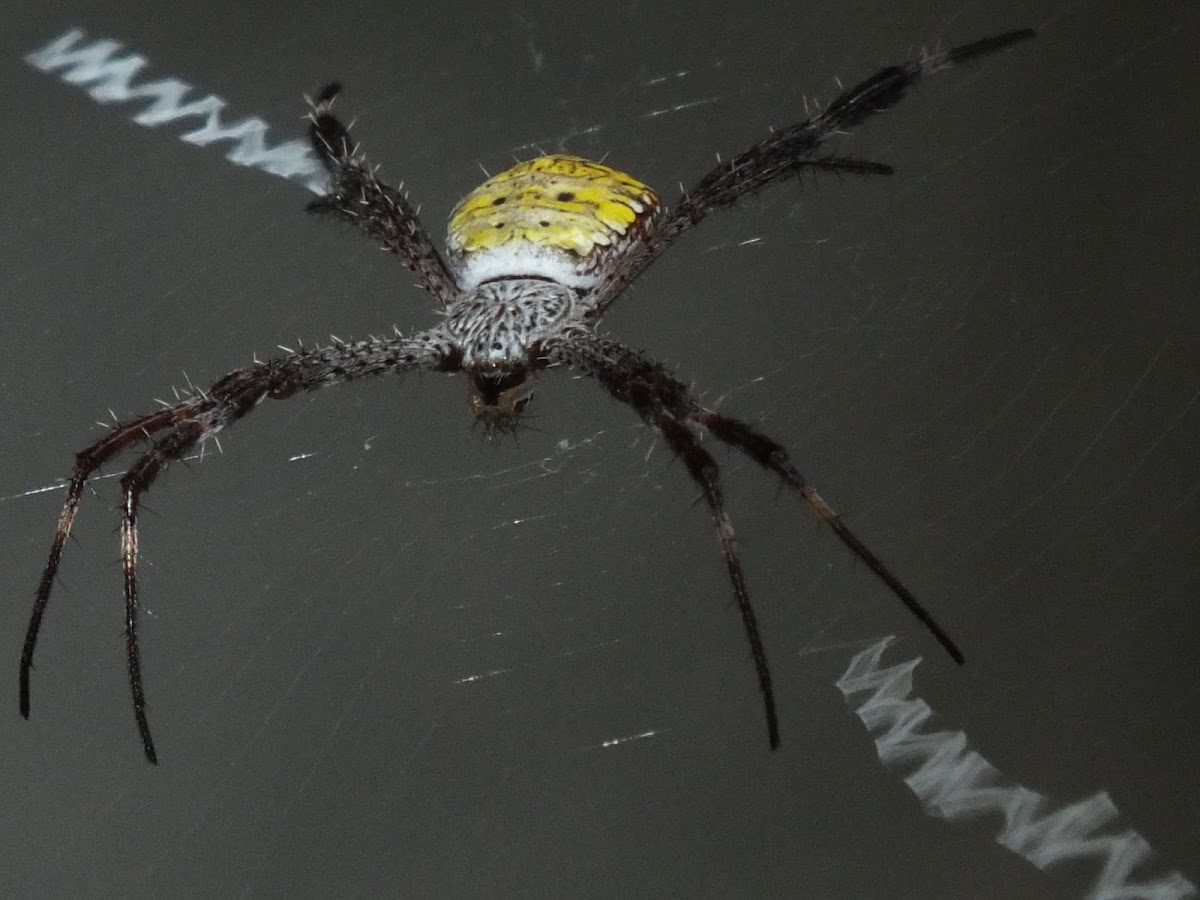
x=536 y=256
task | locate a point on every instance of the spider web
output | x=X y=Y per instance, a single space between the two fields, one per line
x=384 y=655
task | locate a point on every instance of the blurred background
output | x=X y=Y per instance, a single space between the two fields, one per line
x=386 y=656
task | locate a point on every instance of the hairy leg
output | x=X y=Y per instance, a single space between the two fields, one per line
x=665 y=402
x=704 y=471
x=791 y=151
x=771 y=455
x=135 y=482
x=189 y=423
x=381 y=211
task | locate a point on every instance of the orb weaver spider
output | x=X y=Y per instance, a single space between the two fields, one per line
x=536 y=255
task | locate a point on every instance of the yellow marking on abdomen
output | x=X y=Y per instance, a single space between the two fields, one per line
x=561 y=214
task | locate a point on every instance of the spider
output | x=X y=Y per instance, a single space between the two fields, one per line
x=536 y=255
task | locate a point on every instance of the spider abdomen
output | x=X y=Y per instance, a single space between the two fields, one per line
x=560 y=217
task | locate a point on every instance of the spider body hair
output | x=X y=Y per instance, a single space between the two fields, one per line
x=536 y=255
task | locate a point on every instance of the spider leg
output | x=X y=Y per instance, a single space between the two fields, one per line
x=87 y=462
x=134 y=483
x=191 y=422
x=659 y=399
x=771 y=455
x=704 y=471
x=381 y=211
x=790 y=151
x=664 y=401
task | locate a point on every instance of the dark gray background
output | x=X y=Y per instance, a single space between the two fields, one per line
x=988 y=362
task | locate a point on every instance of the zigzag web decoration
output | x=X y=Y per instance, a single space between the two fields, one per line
x=955 y=783
x=109 y=78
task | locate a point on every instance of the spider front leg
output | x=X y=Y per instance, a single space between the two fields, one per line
x=705 y=472
x=771 y=455
x=87 y=462
x=135 y=483
x=189 y=423
x=665 y=402
x=381 y=211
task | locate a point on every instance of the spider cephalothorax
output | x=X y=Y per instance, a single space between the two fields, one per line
x=498 y=330
x=536 y=255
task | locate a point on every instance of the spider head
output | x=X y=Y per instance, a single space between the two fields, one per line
x=499 y=392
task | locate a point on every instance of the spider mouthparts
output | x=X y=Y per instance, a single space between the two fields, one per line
x=499 y=393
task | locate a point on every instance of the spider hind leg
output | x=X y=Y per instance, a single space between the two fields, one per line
x=329 y=137
x=381 y=211
x=792 y=151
